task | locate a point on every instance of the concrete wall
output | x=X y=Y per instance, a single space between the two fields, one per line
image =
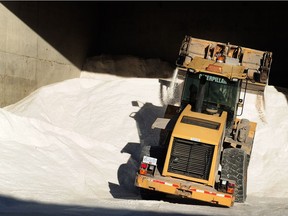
x=28 y=57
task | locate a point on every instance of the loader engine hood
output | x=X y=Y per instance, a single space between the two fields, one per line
x=194 y=148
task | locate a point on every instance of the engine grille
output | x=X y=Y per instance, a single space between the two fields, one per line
x=191 y=158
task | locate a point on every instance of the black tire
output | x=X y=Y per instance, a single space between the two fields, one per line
x=145 y=151
x=234 y=167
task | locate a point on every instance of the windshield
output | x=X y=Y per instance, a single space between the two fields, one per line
x=220 y=93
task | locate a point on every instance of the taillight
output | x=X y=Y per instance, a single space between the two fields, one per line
x=143 y=172
x=231 y=187
x=144 y=166
x=148 y=166
x=146 y=169
x=227 y=186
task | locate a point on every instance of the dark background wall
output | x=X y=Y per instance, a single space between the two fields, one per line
x=156 y=29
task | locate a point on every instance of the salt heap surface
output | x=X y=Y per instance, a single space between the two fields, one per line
x=76 y=128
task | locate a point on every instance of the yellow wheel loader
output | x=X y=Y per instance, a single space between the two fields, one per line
x=204 y=147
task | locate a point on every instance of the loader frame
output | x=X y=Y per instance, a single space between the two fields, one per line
x=203 y=130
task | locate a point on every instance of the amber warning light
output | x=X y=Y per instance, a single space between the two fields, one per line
x=214 y=68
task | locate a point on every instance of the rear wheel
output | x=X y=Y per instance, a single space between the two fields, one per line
x=145 y=151
x=234 y=167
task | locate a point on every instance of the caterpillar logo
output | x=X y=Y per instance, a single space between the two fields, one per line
x=213 y=78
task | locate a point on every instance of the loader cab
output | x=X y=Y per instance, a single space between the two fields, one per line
x=211 y=94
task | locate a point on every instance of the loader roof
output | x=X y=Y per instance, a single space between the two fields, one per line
x=199 y=64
